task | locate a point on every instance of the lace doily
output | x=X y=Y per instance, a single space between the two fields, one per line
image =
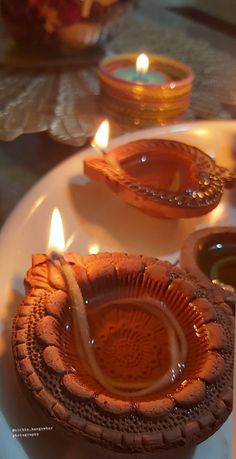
x=64 y=99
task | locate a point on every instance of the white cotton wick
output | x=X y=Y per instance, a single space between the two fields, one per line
x=80 y=322
x=177 y=340
x=177 y=345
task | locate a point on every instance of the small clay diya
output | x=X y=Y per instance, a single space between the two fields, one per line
x=210 y=254
x=163 y=178
x=166 y=349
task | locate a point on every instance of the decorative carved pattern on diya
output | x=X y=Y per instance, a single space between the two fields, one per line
x=166 y=352
x=163 y=178
x=210 y=255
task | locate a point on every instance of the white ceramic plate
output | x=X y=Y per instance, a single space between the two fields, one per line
x=94 y=218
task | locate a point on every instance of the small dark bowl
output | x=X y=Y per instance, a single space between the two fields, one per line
x=210 y=255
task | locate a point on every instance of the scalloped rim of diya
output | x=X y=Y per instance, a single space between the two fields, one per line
x=110 y=64
x=159 y=202
x=194 y=244
x=183 y=413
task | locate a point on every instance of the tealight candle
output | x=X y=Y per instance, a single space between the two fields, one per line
x=141 y=72
x=145 y=89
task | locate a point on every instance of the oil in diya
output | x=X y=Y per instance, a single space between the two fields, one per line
x=138 y=344
x=133 y=303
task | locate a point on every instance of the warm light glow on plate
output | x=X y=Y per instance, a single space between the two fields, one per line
x=216 y=214
x=142 y=64
x=56 y=238
x=201 y=132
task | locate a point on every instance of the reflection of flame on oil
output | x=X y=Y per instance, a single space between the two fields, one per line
x=201 y=132
x=70 y=241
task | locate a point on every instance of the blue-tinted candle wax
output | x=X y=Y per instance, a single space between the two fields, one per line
x=131 y=74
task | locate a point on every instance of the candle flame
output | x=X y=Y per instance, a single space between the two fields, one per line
x=142 y=64
x=56 y=241
x=101 y=138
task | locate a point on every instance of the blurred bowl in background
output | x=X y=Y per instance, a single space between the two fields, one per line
x=69 y=25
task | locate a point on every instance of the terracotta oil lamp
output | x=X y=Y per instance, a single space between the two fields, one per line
x=163 y=352
x=210 y=254
x=163 y=178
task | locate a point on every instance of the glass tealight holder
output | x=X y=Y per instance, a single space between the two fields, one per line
x=160 y=96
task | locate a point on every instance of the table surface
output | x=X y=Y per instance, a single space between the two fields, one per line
x=26 y=159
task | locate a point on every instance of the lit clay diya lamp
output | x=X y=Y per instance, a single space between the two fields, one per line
x=210 y=255
x=163 y=178
x=164 y=353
